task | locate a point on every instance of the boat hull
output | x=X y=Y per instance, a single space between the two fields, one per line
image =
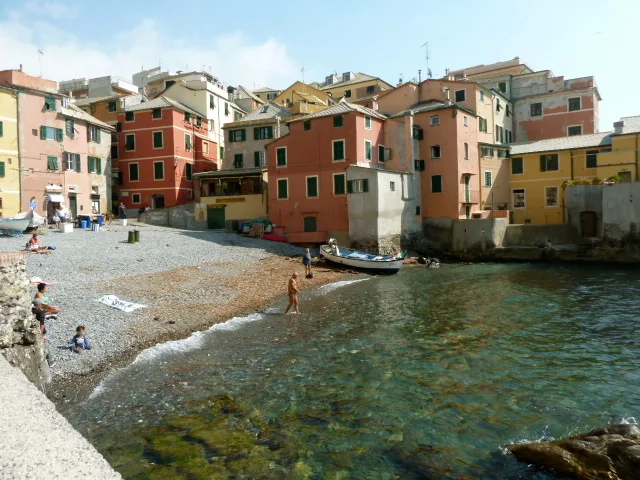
x=35 y=220
x=378 y=266
x=14 y=225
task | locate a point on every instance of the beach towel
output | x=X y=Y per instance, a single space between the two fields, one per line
x=115 y=302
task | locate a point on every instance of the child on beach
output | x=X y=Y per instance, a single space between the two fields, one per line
x=80 y=340
x=306 y=261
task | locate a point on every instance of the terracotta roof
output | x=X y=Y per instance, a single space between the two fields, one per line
x=562 y=143
x=271 y=111
x=76 y=112
x=342 y=107
x=162 y=102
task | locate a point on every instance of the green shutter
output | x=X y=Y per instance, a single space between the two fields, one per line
x=52 y=163
x=243 y=135
x=77 y=162
x=1 y=130
x=282 y=157
x=43 y=132
x=543 y=163
x=59 y=134
x=256 y=158
x=365 y=185
x=2 y=169
x=338 y=150
x=350 y=186
x=312 y=187
x=282 y=188
x=381 y=158
x=230 y=136
x=269 y=132
x=98 y=135
x=189 y=171
x=256 y=133
x=338 y=185
x=91 y=164
x=99 y=166
x=157 y=139
x=158 y=170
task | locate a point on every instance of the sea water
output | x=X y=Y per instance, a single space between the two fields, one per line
x=425 y=374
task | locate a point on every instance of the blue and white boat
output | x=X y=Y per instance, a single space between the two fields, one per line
x=13 y=226
x=361 y=260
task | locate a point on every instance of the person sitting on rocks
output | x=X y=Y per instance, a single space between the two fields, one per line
x=80 y=340
x=43 y=302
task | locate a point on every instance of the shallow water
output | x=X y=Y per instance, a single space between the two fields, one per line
x=425 y=374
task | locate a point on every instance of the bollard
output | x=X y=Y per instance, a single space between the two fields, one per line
x=136 y=234
x=132 y=237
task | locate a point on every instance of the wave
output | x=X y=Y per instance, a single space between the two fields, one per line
x=330 y=287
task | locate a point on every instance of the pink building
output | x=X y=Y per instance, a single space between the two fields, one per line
x=64 y=152
x=307 y=169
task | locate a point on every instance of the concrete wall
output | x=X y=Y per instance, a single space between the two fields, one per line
x=541 y=235
x=478 y=235
x=191 y=216
x=251 y=206
x=584 y=198
x=621 y=211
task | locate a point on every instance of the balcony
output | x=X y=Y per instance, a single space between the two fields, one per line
x=470 y=197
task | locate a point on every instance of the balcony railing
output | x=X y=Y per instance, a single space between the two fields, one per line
x=471 y=196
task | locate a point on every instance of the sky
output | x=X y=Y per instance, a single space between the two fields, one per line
x=259 y=44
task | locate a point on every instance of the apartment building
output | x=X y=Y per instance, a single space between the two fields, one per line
x=96 y=87
x=9 y=155
x=355 y=87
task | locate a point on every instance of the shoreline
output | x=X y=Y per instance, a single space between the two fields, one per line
x=154 y=328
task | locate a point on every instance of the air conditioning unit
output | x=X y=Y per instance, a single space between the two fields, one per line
x=72 y=188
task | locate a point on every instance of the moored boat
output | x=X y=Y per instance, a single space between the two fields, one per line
x=13 y=226
x=361 y=260
x=35 y=220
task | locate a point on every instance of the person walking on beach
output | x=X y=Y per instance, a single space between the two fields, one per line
x=293 y=291
x=306 y=261
x=122 y=212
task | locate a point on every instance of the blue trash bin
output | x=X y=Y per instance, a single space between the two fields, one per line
x=89 y=223
x=83 y=224
x=100 y=219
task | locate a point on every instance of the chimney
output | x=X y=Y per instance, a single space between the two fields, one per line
x=20 y=67
x=618 y=126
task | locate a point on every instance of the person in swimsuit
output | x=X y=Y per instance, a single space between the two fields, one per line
x=34 y=246
x=43 y=302
x=293 y=293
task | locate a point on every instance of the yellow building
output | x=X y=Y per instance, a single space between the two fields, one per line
x=355 y=87
x=540 y=170
x=9 y=155
x=303 y=99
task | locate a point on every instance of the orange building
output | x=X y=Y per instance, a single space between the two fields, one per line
x=163 y=144
x=308 y=170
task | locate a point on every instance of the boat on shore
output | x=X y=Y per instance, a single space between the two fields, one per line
x=35 y=220
x=13 y=226
x=361 y=260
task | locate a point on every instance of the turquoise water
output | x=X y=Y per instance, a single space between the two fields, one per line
x=425 y=374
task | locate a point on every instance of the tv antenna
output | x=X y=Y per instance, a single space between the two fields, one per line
x=425 y=45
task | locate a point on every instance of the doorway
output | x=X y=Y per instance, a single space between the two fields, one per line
x=157 y=201
x=73 y=206
x=588 y=224
x=216 y=217
x=467 y=211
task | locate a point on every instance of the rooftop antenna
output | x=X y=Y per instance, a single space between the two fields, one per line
x=302 y=70
x=40 y=55
x=425 y=45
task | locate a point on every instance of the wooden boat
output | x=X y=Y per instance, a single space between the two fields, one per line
x=361 y=260
x=13 y=226
x=35 y=220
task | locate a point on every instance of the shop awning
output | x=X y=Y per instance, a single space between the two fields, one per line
x=55 y=198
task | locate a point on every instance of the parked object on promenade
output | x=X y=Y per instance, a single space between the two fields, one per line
x=361 y=260
x=35 y=220
x=13 y=226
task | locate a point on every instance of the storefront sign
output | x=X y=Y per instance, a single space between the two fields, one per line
x=230 y=200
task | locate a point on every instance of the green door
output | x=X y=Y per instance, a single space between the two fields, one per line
x=215 y=217
x=73 y=206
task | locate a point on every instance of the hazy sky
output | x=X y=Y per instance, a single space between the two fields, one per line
x=267 y=43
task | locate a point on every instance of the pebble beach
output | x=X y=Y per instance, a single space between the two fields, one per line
x=187 y=281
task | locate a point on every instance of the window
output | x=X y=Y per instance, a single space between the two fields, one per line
x=549 y=162
x=592 y=159
x=381 y=157
x=499 y=134
x=52 y=163
x=50 y=104
x=419 y=165
x=134 y=173
x=259 y=159
x=461 y=95
x=91 y=165
x=488 y=180
x=281 y=157
x=436 y=184
x=418 y=133
x=519 y=200
x=187 y=116
x=307 y=124
x=435 y=151
x=226 y=108
x=221 y=152
x=502 y=153
x=93 y=134
x=283 y=188
x=551 y=197
x=158 y=170
x=466 y=151
x=367 y=122
x=371 y=89
x=114 y=151
x=187 y=142
x=502 y=86
x=69 y=127
x=536 y=109
x=236 y=116
x=264 y=109
x=482 y=124
x=347 y=93
x=212 y=102
x=465 y=121
x=158 y=140
x=262 y=133
x=205 y=148
x=508 y=136
x=312 y=186
x=72 y=161
x=129 y=116
x=368 y=150
x=337 y=121
x=574 y=104
x=574 y=130
x=2 y=170
x=339 y=184
x=338 y=151
x=498 y=106
x=1 y=129
x=508 y=113
x=310 y=224
x=212 y=125
x=112 y=106
x=118 y=127
x=50 y=133
x=358 y=186
x=517 y=166
x=135 y=198
x=130 y=141
x=237 y=135
x=392 y=186
x=188 y=171
x=486 y=151
x=156 y=113
x=482 y=96
x=238 y=160
x=434 y=120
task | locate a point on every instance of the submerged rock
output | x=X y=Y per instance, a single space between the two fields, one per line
x=608 y=453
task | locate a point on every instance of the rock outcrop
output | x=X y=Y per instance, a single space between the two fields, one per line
x=609 y=453
x=20 y=339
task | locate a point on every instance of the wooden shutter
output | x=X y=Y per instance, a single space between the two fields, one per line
x=256 y=133
x=99 y=166
x=91 y=164
x=59 y=135
x=1 y=130
x=97 y=134
x=543 y=163
x=256 y=158
x=230 y=136
x=350 y=186
x=270 y=132
x=365 y=185
x=282 y=188
x=77 y=162
x=2 y=169
x=243 y=135
x=43 y=133
x=118 y=127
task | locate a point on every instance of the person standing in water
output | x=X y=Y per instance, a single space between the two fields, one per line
x=293 y=293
